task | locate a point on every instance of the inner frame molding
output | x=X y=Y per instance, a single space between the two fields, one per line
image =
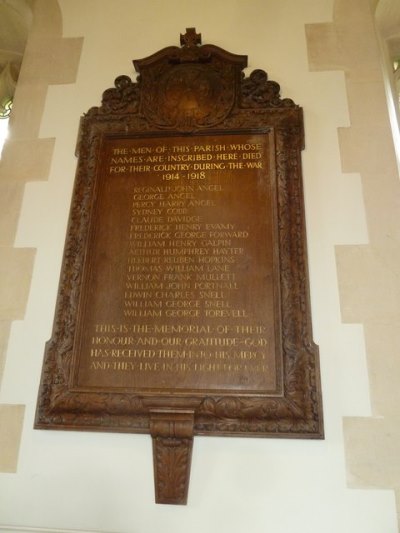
x=226 y=148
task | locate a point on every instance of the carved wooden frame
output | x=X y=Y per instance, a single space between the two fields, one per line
x=131 y=107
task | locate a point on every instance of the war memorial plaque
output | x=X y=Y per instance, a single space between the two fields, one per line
x=183 y=305
x=183 y=289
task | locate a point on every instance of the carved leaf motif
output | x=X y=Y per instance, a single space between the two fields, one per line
x=173 y=459
x=124 y=98
x=258 y=91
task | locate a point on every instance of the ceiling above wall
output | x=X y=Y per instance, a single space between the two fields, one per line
x=388 y=19
x=15 y=21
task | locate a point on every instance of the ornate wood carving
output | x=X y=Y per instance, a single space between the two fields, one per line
x=172 y=434
x=191 y=91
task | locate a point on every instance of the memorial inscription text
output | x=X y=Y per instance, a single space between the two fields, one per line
x=183 y=293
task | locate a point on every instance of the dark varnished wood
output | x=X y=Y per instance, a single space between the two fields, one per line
x=172 y=435
x=195 y=95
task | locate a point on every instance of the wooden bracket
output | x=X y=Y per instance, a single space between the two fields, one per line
x=172 y=434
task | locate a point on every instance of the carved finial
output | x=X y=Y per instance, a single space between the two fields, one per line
x=191 y=38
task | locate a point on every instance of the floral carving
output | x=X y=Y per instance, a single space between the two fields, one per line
x=124 y=98
x=172 y=458
x=258 y=91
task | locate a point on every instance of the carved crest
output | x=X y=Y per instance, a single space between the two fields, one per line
x=195 y=85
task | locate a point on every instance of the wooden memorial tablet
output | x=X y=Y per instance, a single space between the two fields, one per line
x=183 y=306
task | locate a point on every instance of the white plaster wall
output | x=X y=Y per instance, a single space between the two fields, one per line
x=104 y=482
